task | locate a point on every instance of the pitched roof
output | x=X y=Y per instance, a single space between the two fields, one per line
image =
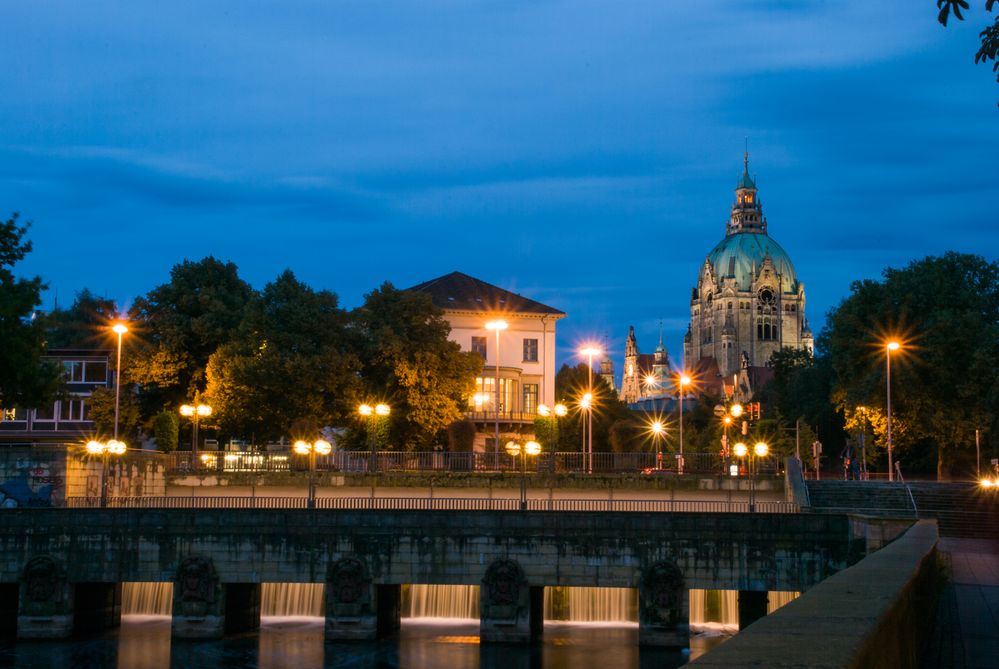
x=460 y=292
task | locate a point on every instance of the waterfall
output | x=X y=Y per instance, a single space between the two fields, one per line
x=779 y=599
x=155 y=599
x=291 y=599
x=714 y=608
x=591 y=604
x=440 y=601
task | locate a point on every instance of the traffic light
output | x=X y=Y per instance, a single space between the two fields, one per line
x=755 y=410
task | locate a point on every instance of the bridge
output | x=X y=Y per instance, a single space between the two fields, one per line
x=61 y=569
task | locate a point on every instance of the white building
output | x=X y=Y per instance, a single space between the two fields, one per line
x=524 y=353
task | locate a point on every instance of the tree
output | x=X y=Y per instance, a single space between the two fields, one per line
x=289 y=365
x=570 y=385
x=86 y=322
x=166 y=430
x=945 y=310
x=989 y=49
x=101 y=407
x=179 y=325
x=26 y=379
x=409 y=362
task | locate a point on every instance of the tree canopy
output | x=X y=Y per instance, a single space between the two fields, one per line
x=945 y=312
x=989 y=49
x=26 y=378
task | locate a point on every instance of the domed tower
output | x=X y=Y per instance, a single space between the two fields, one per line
x=748 y=302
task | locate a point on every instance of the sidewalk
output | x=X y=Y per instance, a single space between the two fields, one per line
x=967 y=630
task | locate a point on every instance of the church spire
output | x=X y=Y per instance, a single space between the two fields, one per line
x=747 y=214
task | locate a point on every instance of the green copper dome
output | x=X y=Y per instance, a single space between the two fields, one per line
x=738 y=254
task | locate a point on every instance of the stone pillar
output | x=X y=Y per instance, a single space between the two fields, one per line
x=45 y=601
x=198 y=600
x=507 y=605
x=242 y=607
x=663 y=607
x=351 y=602
x=752 y=606
x=96 y=606
x=8 y=610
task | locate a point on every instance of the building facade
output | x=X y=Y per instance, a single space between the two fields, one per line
x=748 y=302
x=523 y=353
x=66 y=419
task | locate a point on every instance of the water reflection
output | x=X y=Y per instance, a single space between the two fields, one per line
x=143 y=642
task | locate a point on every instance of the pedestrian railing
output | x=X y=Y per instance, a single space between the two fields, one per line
x=439 y=461
x=433 y=504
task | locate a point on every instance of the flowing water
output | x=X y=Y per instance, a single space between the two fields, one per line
x=585 y=628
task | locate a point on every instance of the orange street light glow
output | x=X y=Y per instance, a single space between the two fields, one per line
x=119 y=328
x=740 y=450
x=893 y=346
x=560 y=410
x=499 y=324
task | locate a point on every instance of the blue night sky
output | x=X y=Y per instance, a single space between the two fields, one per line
x=581 y=153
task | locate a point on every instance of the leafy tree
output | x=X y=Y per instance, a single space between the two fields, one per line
x=989 y=49
x=180 y=324
x=85 y=324
x=26 y=379
x=101 y=408
x=408 y=362
x=289 y=369
x=945 y=310
x=570 y=385
x=166 y=430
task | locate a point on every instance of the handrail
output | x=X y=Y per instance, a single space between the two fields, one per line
x=433 y=504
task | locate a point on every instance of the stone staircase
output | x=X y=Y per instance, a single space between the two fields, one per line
x=961 y=509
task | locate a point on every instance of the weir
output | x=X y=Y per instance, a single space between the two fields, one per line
x=227 y=567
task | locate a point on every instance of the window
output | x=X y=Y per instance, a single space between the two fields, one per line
x=530 y=350
x=14 y=413
x=73 y=370
x=530 y=398
x=485 y=388
x=479 y=346
x=46 y=413
x=71 y=410
x=96 y=372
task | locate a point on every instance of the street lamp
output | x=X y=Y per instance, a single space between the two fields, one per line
x=515 y=449
x=586 y=404
x=658 y=430
x=320 y=446
x=862 y=410
x=683 y=381
x=760 y=450
x=103 y=449
x=889 y=347
x=119 y=329
x=497 y=325
x=589 y=352
x=195 y=412
x=373 y=414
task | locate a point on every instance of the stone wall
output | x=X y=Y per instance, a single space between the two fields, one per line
x=877 y=613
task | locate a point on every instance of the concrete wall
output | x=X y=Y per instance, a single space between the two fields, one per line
x=877 y=613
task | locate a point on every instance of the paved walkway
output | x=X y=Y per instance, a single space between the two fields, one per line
x=967 y=629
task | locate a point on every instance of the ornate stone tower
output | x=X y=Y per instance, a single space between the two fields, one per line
x=630 y=382
x=748 y=302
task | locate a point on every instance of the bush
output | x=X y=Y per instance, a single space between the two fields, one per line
x=165 y=428
x=461 y=436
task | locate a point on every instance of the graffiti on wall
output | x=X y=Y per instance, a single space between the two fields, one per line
x=27 y=482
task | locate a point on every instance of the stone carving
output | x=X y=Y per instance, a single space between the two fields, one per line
x=662 y=589
x=347 y=581
x=43 y=578
x=197 y=583
x=502 y=583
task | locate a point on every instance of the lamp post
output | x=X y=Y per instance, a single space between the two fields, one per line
x=760 y=450
x=119 y=329
x=589 y=352
x=734 y=411
x=889 y=347
x=320 y=446
x=373 y=414
x=195 y=412
x=683 y=381
x=862 y=410
x=552 y=414
x=586 y=404
x=658 y=432
x=515 y=449
x=103 y=449
x=497 y=326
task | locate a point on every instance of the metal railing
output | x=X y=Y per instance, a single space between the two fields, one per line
x=397 y=461
x=433 y=504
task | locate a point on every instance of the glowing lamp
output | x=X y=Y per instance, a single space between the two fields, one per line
x=382 y=409
x=301 y=447
x=119 y=328
x=735 y=410
x=322 y=447
x=532 y=448
x=560 y=410
x=365 y=410
x=761 y=449
x=513 y=448
x=740 y=450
